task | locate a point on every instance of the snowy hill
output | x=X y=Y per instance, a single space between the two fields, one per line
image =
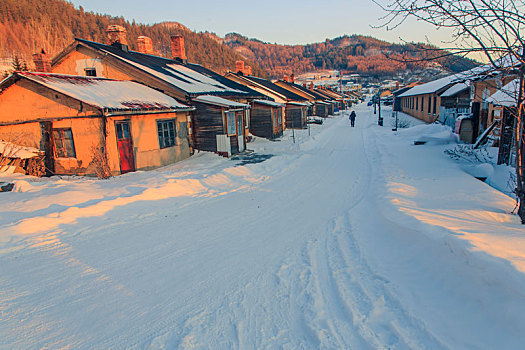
x=348 y=238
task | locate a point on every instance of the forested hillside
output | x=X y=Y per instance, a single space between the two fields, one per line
x=27 y=26
x=356 y=54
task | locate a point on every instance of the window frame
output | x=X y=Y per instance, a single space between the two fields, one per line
x=162 y=129
x=59 y=134
x=230 y=123
x=90 y=69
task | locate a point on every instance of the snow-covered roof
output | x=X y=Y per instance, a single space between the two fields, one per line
x=269 y=103
x=455 y=89
x=105 y=93
x=11 y=150
x=430 y=87
x=190 y=78
x=299 y=103
x=506 y=96
x=219 y=101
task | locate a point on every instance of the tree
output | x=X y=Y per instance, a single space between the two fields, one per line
x=492 y=28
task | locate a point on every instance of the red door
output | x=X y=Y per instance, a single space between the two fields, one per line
x=125 y=147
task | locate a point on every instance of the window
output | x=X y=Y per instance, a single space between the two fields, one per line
x=166 y=131
x=434 y=106
x=230 y=123
x=429 y=104
x=64 y=145
x=247 y=119
x=280 y=115
x=422 y=100
x=417 y=101
x=90 y=72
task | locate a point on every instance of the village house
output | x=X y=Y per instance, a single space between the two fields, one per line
x=174 y=77
x=423 y=101
x=503 y=108
x=293 y=110
x=318 y=103
x=222 y=130
x=85 y=125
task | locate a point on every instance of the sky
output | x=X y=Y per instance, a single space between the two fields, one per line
x=274 y=21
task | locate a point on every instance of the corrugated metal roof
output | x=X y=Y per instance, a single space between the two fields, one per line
x=191 y=78
x=219 y=101
x=105 y=93
x=274 y=87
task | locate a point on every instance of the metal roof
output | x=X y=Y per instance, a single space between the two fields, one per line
x=191 y=78
x=105 y=93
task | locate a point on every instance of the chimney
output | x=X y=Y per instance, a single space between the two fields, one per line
x=177 y=48
x=145 y=45
x=312 y=86
x=248 y=70
x=285 y=78
x=117 y=34
x=239 y=67
x=292 y=78
x=42 y=62
x=304 y=85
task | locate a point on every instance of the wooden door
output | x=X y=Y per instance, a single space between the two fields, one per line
x=125 y=147
x=49 y=147
x=240 y=131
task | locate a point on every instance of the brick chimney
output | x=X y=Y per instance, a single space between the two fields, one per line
x=239 y=67
x=312 y=86
x=145 y=45
x=292 y=78
x=42 y=62
x=285 y=78
x=248 y=70
x=177 y=48
x=116 y=34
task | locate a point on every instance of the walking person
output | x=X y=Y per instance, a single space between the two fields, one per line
x=352 y=118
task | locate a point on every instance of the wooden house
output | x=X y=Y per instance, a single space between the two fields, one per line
x=220 y=125
x=175 y=76
x=423 y=101
x=295 y=105
x=320 y=105
x=84 y=124
x=503 y=109
x=267 y=119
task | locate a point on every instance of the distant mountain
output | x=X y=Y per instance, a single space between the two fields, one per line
x=27 y=26
x=353 y=54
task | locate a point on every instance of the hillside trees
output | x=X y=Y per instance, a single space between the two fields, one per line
x=27 y=26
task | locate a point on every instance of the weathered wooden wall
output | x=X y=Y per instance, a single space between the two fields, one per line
x=207 y=122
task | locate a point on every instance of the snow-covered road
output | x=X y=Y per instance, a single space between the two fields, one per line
x=347 y=239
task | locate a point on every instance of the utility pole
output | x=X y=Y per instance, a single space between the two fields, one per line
x=379 y=119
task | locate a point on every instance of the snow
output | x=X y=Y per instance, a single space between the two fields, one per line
x=184 y=78
x=430 y=87
x=269 y=103
x=219 y=101
x=104 y=93
x=506 y=96
x=349 y=238
x=11 y=150
x=455 y=89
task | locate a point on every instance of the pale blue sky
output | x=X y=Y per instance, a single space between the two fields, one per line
x=284 y=22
